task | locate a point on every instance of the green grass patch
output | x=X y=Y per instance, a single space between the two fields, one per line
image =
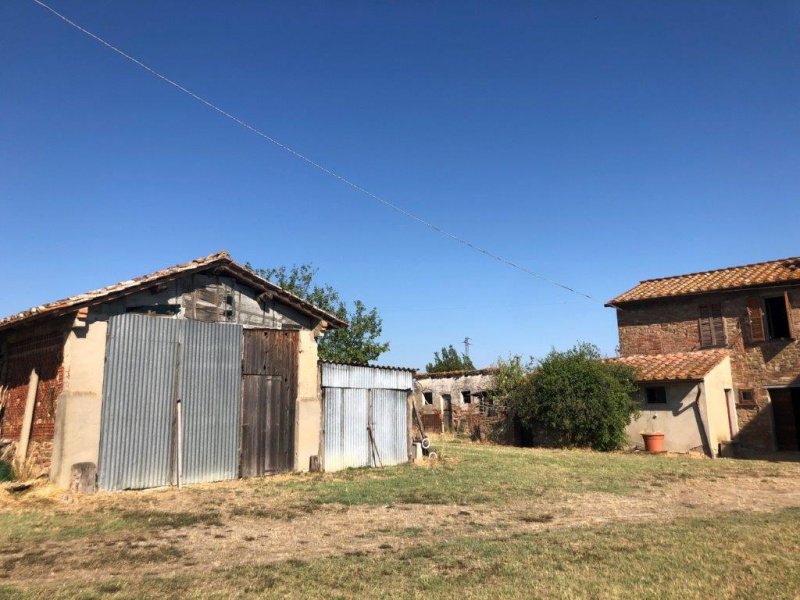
x=740 y=555
x=32 y=526
x=477 y=474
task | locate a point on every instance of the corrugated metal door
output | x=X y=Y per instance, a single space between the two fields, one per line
x=389 y=419
x=268 y=405
x=346 y=420
x=138 y=391
x=151 y=362
x=211 y=401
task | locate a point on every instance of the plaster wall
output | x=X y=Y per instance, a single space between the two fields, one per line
x=308 y=430
x=77 y=429
x=680 y=419
x=716 y=381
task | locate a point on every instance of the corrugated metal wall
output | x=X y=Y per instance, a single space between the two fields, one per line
x=211 y=399
x=358 y=398
x=390 y=425
x=346 y=420
x=138 y=388
x=350 y=376
x=150 y=362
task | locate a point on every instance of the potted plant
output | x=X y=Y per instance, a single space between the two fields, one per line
x=653 y=440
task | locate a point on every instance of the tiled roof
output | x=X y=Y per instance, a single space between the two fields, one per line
x=785 y=270
x=445 y=374
x=678 y=366
x=220 y=260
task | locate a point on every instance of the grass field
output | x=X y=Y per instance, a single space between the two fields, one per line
x=484 y=522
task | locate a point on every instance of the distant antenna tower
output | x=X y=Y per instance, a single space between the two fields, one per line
x=467 y=344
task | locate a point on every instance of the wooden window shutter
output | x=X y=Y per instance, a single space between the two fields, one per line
x=706 y=330
x=718 y=325
x=755 y=317
x=789 y=314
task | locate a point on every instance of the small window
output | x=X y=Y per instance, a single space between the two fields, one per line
x=428 y=397
x=777 y=318
x=746 y=398
x=656 y=395
x=466 y=397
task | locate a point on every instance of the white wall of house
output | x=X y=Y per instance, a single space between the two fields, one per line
x=694 y=417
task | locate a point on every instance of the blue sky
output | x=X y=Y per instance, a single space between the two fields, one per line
x=596 y=143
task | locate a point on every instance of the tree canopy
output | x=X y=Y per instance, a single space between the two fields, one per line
x=577 y=399
x=449 y=360
x=360 y=342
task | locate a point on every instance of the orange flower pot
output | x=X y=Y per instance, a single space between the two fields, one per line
x=653 y=442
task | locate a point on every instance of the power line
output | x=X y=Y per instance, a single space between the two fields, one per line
x=309 y=161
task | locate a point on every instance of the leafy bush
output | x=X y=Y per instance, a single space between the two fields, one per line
x=577 y=399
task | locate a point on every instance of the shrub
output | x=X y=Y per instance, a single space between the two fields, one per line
x=577 y=399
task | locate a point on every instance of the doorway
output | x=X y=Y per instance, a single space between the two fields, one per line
x=447 y=412
x=786 y=417
x=269 y=393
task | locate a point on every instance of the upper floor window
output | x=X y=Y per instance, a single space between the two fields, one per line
x=770 y=318
x=777 y=318
x=466 y=397
x=428 y=397
x=712 y=326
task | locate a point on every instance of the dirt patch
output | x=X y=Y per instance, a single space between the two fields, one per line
x=241 y=537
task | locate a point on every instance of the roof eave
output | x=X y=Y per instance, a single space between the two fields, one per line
x=616 y=303
x=222 y=262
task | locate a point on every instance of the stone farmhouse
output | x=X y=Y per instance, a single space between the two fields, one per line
x=717 y=356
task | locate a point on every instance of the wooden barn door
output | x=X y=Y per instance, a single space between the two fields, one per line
x=269 y=372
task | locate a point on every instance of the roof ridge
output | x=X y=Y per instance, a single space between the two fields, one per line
x=745 y=266
x=221 y=258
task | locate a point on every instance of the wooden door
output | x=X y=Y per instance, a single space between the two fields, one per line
x=269 y=394
x=784 y=418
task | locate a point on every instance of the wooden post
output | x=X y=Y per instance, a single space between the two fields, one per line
x=27 y=420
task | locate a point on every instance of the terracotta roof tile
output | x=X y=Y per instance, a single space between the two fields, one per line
x=219 y=259
x=678 y=366
x=785 y=270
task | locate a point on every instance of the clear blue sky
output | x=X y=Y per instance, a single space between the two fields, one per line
x=596 y=143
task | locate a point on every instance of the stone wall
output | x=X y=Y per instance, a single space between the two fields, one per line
x=672 y=325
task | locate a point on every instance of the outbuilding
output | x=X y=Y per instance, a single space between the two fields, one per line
x=199 y=372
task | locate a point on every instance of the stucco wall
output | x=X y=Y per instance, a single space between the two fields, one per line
x=77 y=430
x=308 y=432
x=715 y=383
x=679 y=419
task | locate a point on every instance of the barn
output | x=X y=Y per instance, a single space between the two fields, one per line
x=199 y=372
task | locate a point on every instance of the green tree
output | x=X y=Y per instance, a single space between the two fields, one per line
x=449 y=360
x=360 y=342
x=577 y=398
x=511 y=373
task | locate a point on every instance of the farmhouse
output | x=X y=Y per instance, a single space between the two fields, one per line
x=445 y=399
x=717 y=355
x=198 y=372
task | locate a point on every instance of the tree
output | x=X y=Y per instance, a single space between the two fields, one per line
x=577 y=399
x=449 y=360
x=511 y=373
x=360 y=342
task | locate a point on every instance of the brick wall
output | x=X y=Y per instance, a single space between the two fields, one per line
x=664 y=326
x=44 y=352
